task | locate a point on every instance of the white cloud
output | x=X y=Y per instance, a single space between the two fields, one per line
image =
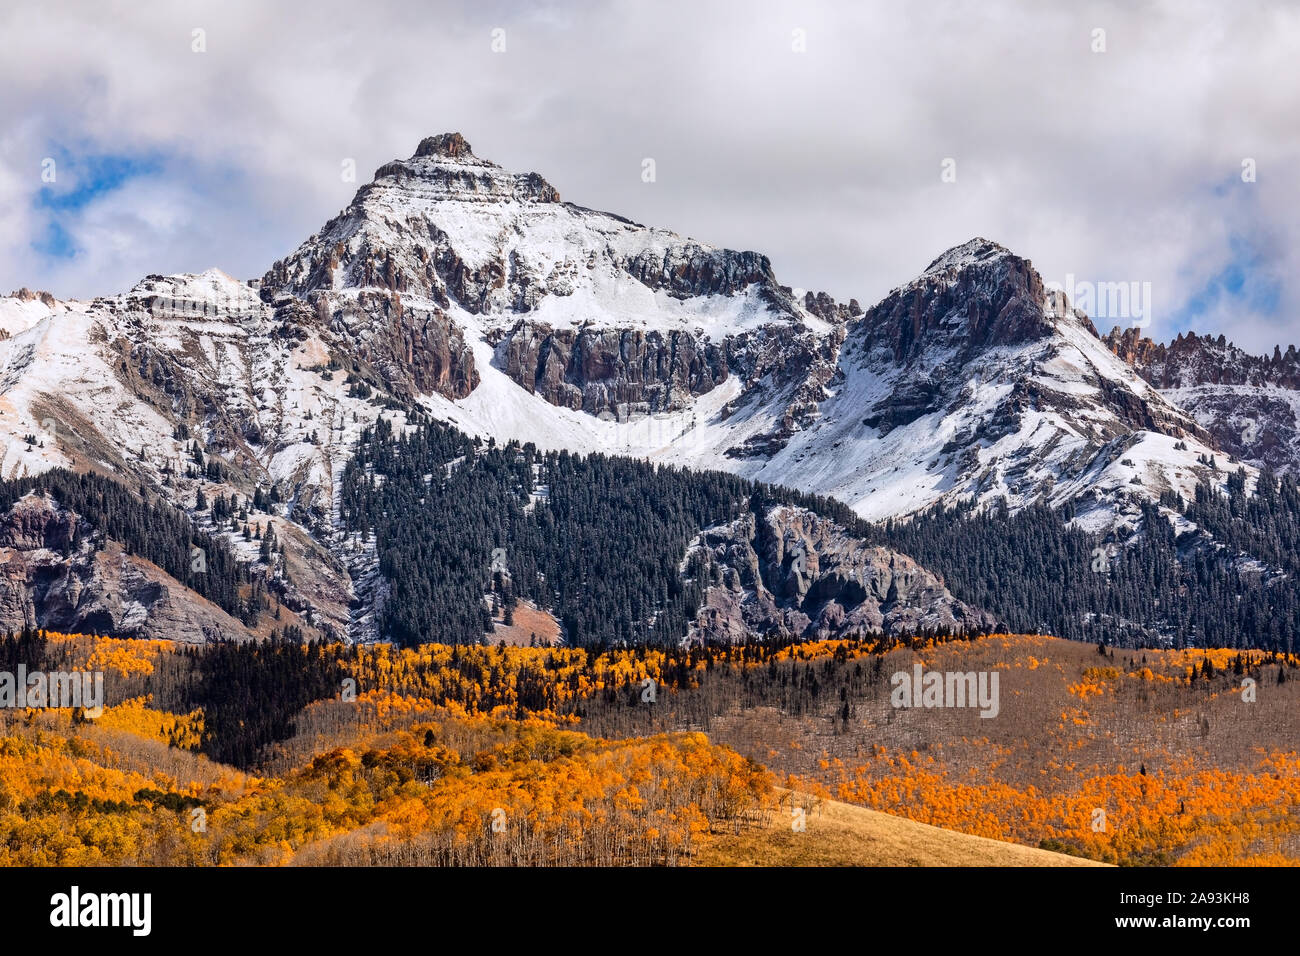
x=1116 y=165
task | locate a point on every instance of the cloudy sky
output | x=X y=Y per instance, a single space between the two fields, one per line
x=1104 y=141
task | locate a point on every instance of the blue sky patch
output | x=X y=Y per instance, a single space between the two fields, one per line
x=88 y=177
x=1245 y=283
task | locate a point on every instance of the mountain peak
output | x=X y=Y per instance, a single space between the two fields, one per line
x=969 y=253
x=449 y=145
x=445 y=167
x=974 y=296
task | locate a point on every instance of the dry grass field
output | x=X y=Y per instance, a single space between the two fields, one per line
x=840 y=834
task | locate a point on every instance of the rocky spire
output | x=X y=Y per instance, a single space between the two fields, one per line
x=449 y=145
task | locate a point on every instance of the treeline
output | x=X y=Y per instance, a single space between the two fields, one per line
x=1265 y=525
x=28 y=647
x=1199 y=588
x=602 y=542
x=150 y=528
x=252 y=695
x=249 y=692
x=604 y=551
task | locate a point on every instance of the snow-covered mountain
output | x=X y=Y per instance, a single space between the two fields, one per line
x=972 y=379
x=459 y=281
x=1248 y=403
x=453 y=288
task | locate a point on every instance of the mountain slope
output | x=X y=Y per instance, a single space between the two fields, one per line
x=974 y=381
x=1249 y=404
x=451 y=289
x=584 y=310
x=971 y=380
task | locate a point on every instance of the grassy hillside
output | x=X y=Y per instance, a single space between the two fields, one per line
x=840 y=834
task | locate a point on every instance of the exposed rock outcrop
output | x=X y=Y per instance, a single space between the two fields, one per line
x=619 y=372
x=1248 y=403
x=53 y=576
x=790 y=367
x=796 y=573
x=416 y=351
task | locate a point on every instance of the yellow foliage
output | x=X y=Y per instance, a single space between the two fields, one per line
x=135 y=716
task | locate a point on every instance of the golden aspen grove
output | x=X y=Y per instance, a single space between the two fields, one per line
x=478 y=755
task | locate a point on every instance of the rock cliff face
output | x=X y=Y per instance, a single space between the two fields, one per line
x=791 y=370
x=615 y=372
x=416 y=351
x=1192 y=359
x=973 y=298
x=694 y=270
x=796 y=573
x=1249 y=404
x=53 y=576
x=977 y=301
x=27 y=295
